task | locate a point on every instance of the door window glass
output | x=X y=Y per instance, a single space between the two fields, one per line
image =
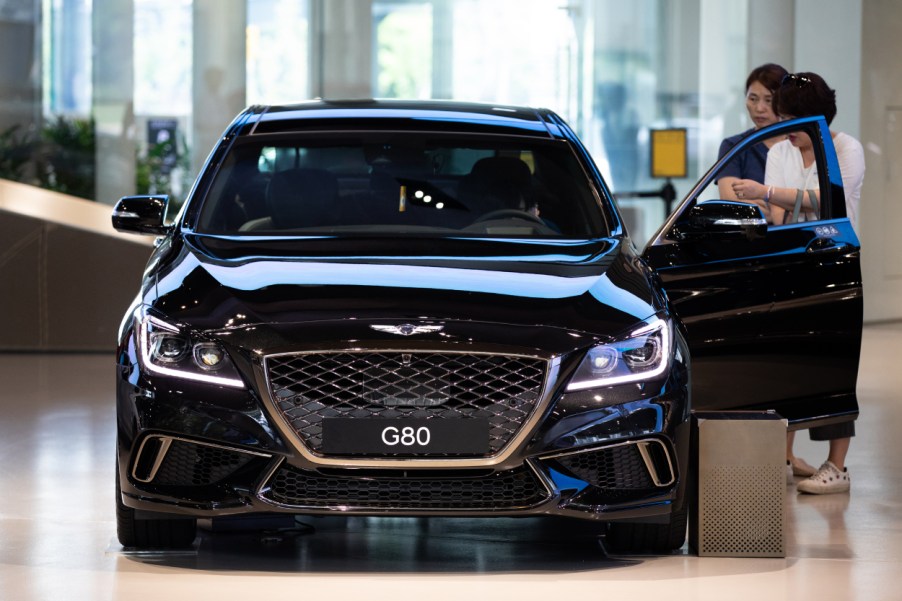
x=780 y=175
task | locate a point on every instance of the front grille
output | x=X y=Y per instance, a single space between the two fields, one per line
x=188 y=464
x=309 y=387
x=514 y=489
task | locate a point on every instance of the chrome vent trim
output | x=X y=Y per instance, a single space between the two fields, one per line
x=645 y=451
x=163 y=450
x=644 y=447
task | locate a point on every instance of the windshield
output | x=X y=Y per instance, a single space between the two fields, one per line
x=402 y=184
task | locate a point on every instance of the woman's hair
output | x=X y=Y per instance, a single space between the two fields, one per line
x=805 y=95
x=769 y=75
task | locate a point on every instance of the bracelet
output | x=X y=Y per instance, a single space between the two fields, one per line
x=767 y=195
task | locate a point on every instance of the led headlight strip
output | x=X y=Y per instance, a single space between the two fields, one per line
x=658 y=328
x=146 y=323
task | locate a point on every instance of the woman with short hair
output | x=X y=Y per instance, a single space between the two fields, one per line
x=791 y=168
x=760 y=86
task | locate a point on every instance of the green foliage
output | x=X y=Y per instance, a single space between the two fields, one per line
x=62 y=158
x=404 y=39
x=65 y=161
x=163 y=169
x=16 y=151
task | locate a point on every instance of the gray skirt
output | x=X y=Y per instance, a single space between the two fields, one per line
x=833 y=431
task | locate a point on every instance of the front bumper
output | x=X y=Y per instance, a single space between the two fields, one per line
x=198 y=450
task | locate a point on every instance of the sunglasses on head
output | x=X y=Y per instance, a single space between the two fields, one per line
x=799 y=80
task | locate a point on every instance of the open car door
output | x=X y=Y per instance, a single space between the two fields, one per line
x=773 y=313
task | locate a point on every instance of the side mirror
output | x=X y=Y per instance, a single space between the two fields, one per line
x=141 y=215
x=721 y=219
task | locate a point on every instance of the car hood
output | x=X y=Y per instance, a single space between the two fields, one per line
x=285 y=290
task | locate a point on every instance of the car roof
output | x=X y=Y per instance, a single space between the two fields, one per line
x=398 y=115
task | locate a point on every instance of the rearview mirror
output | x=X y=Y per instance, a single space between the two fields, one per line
x=721 y=219
x=141 y=215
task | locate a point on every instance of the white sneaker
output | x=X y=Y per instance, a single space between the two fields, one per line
x=789 y=479
x=800 y=467
x=828 y=479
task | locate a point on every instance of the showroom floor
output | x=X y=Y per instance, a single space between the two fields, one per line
x=57 y=538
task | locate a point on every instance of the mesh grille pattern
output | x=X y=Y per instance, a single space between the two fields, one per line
x=189 y=464
x=506 y=490
x=310 y=387
x=619 y=467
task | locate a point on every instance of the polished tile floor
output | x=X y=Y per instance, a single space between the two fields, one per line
x=57 y=539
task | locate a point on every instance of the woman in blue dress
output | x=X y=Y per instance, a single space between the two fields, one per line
x=760 y=86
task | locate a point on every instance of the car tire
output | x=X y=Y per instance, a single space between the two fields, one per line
x=629 y=537
x=132 y=532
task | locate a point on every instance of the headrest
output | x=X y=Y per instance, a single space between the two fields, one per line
x=498 y=182
x=510 y=170
x=302 y=198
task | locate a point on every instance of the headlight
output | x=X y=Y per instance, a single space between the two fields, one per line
x=643 y=355
x=169 y=351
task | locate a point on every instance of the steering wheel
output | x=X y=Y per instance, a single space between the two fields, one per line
x=510 y=214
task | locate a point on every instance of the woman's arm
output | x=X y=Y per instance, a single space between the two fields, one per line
x=783 y=200
x=731 y=172
x=850 y=155
x=752 y=192
x=725 y=188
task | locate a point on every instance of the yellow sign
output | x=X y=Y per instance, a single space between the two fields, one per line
x=668 y=153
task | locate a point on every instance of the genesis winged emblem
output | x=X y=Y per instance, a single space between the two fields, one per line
x=407 y=329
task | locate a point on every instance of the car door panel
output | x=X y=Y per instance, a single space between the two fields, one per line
x=772 y=322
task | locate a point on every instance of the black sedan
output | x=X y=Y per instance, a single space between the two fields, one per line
x=434 y=309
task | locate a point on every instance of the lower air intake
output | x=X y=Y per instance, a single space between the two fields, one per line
x=189 y=464
x=514 y=489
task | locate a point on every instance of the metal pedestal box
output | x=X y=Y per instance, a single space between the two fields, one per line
x=740 y=464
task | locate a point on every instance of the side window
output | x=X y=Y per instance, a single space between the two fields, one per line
x=792 y=188
x=781 y=175
x=267 y=161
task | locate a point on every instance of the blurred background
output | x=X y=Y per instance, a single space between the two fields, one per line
x=104 y=98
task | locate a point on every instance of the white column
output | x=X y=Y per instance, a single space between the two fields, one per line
x=218 y=72
x=20 y=66
x=113 y=105
x=880 y=221
x=342 y=55
x=442 y=49
x=828 y=42
x=771 y=33
x=723 y=65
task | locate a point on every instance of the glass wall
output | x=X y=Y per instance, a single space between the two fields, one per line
x=614 y=70
x=403 y=33
x=66 y=35
x=278 y=44
x=162 y=58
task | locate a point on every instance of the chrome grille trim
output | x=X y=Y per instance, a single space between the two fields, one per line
x=552 y=366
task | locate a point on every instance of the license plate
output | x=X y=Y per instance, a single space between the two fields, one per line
x=405 y=436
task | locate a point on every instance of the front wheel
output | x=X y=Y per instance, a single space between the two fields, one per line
x=176 y=533
x=628 y=537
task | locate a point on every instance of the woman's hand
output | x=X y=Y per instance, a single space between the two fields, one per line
x=748 y=189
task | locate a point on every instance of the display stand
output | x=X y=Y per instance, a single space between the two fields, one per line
x=739 y=505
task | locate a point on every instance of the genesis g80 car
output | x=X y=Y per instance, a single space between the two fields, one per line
x=392 y=308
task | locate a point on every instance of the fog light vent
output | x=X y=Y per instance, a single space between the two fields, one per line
x=177 y=462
